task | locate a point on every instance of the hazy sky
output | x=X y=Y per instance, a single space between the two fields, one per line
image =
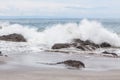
x=61 y=8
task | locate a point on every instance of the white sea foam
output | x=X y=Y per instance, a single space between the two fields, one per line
x=85 y=30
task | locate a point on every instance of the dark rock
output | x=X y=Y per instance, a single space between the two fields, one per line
x=6 y=55
x=93 y=48
x=60 y=46
x=80 y=44
x=73 y=63
x=57 y=51
x=92 y=44
x=104 y=44
x=1 y=53
x=84 y=45
x=105 y=52
x=113 y=54
x=13 y=37
x=87 y=42
x=69 y=63
x=81 y=47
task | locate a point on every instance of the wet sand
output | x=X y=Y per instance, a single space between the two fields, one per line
x=20 y=72
x=58 y=74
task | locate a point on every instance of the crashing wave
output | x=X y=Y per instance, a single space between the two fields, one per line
x=62 y=33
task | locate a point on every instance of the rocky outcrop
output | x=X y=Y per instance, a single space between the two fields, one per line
x=60 y=45
x=82 y=45
x=87 y=42
x=13 y=37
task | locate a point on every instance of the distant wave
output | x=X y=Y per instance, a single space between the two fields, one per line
x=61 y=33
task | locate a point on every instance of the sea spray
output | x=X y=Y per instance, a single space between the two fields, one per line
x=94 y=31
x=62 y=33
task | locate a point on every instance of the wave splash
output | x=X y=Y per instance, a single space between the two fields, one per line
x=61 y=33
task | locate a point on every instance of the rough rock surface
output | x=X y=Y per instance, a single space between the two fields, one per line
x=82 y=45
x=1 y=53
x=60 y=45
x=73 y=63
x=70 y=64
x=105 y=45
x=13 y=37
x=109 y=53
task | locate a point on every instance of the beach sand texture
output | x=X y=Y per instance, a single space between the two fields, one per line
x=58 y=74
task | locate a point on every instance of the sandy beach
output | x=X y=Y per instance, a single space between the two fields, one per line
x=58 y=74
x=17 y=71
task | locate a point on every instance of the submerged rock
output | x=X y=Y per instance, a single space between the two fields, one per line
x=113 y=54
x=73 y=63
x=70 y=64
x=60 y=45
x=13 y=37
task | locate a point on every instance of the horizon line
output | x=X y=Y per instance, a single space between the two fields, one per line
x=39 y=17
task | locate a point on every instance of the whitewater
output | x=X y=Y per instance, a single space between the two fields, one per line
x=61 y=33
x=32 y=52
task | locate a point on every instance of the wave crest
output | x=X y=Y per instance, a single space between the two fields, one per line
x=85 y=30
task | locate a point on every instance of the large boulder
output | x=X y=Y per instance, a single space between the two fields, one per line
x=13 y=37
x=60 y=45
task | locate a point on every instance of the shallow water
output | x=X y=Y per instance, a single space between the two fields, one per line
x=24 y=54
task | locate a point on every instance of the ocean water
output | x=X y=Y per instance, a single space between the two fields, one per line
x=41 y=34
x=47 y=30
x=41 y=24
